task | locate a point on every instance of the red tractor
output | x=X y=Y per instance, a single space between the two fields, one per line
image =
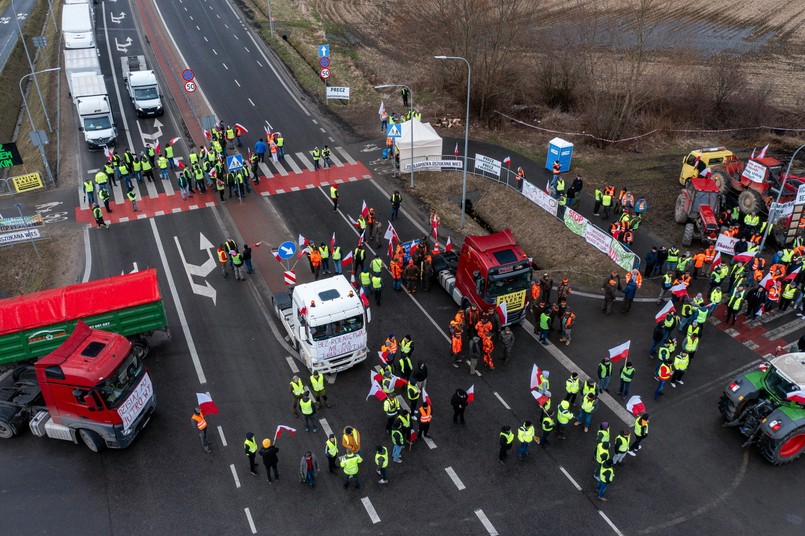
x=755 y=184
x=696 y=207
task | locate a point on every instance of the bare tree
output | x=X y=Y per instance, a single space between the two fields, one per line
x=726 y=77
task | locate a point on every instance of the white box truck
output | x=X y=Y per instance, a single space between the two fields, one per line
x=142 y=86
x=80 y=61
x=326 y=323
x=94 y=112
x=77 y=26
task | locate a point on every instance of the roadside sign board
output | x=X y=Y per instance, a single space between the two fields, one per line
x=188 y=75
x=9 y=155
x=394 y=131
x=800 y=200
x=341 y=93
x=324 y=61
x=15 y=223
x=290 y=277
x=190 y=87
x=325 y=73
x=287 y=250
x=234 y=162
x=25 y=183
x=324 y=51
x=490 y=165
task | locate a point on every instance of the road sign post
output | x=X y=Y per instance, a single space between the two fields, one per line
x=190 y=87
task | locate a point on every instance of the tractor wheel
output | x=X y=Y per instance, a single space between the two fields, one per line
x=750 y=202
x=687 y=234
x=680 y=213
x=726 y=407
x=722 y=181
x=785 y=450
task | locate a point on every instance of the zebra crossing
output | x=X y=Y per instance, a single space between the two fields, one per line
x=292 y=164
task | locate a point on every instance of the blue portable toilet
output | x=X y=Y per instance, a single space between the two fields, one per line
x=559 y=149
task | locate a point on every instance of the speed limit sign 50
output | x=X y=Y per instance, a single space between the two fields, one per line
x=325 y=73
x=190 y=87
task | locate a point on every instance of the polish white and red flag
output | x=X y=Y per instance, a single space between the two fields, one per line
x=361 y=238
x=503 y=312
x=746 y=256
x=276 y=254
x=716 y=260
x=507 y=161
x=536 y=376
x=767 y=282
x=158 y=148
x=332 y=241
x=455 y=153
x=797 y=396
x=669 y=308
x=347 y=259
x=635 y=405
x=793 y=275
x=364 y=209
x=448 y=247
x=384 y=356
x=391 y=233
x=381 y=109
x=207 y=134
x=620 y=352
x=679 y=290
x=205 y=404
x=426 y=396
x=376 y=391
x=541 y=397
x=174 y=140
x=364 y=298
x=107 y=153
x=471 y=394
x=243 y=129
x=268 y=133
x=281 y=428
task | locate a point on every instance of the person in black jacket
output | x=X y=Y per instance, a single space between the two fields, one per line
x=420 y=374
x=459 y=403
x=269 y=455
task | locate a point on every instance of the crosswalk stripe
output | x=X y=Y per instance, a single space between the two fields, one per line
x=82 y=201
x=335 y=160
x=291 y=163
x=150 y=187
x=117 y=192
x=265 y=170
x=345 y=155
x=167 y=184
x=305 y=162
x=280 y=169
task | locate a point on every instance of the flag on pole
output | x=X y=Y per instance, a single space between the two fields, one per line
x=361 y=239
x=390 y=249
x=214 y=173
x=456 y=151
x=242 y=128
x=793 y=275
x=276 y=255
x=376 y=391
x=347 y=259
x=268 y=133
x=426 y=396
x=541 y=397
x=620 y=351
x=696 y=165
x=763 y=152
x=107 y=153
x=448 y=247
x=207 y=134
x=303 y=251
x=283 y=428
x=180 y=164
x=507 y=161
x=635 y=405
x=797 y=396
x=767 y=282
x=381 y=109
x=743 y=257
x=332 y=241
x=752 y=156
x=503 y=312
x=364 y=299
x=158 y=148
x=679 y=290
x=669 y=307
x=536 y=377
x=383 y=355
x=471 y=394
x=364 y=209
x=391 y=233
x=353 y=222
x=302 y=241
x=206 y=404
x=174 y=140
x=248 y=154
x=716 y=260
x=257 y=244
x=303 y=310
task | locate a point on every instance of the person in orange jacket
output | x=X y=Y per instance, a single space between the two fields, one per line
x=698 y=262
x=488 y=348
x=455 y=347
x=396 y=274
x=315 y=262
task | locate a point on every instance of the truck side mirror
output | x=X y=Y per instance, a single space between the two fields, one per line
x=81 y=129
x=80 y=395
x=302 y=336
x=479 y=283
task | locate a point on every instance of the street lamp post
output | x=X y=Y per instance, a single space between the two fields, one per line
x=466 y=133
x=270 y=20
x=31 y=120
x=31 y=65
x=777 y=201
x=411 y=113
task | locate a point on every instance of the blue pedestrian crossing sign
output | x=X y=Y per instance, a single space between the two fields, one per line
x=234 y=162
x=286 y=250
x=394 y=131
x=324 y=51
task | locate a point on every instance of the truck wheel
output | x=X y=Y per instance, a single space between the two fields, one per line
x=750 y=202
x=91 y=439
x=785 y=450
x=7 y=430
x=140 y=347
x=726 y=407
x=680 y=214
x=722 y=181
x=687 y=234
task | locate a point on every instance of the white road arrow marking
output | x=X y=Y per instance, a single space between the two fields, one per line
x=200 y=271
x=136 y=269
x=119 y=18
x=123 y=47
x=152 y=137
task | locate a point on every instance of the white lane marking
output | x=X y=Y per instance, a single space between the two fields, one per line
x=221 y=433
x=205 y=39
x=251 y=521
x=505 y=405
x=197 y=28
x=225 y=24
x=280 y=168
x=486 y=523
x=315 y=122
x=258 y=63
x=264 y=168
x=373 y=252
x=217 y=15
x=235 y=475
x=252 y=102
x=87 y=256
x=332 y=140
x=214 y=52
x=202 y=379
x=191 y=17
x=566 y=362
x=336 y=161
x=572 y=480
x=322 y=129
x=610 y=523
x=236 y=37
x=344 y=153
x=225 y=67
x=454 y=477
x=785 y=329
x=429 y=442
x=236 y=81
x=477 y=372
x=370 y=510
x=292 y=364
x=247 y=49
x=233 y=11
x=325 y=426
x=114 y=78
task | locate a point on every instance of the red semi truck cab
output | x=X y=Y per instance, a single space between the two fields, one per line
x=490 y=269
x=94 y=388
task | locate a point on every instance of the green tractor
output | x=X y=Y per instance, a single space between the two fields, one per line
x=768 y=406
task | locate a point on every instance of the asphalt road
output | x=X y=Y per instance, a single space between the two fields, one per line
x=691 y=475
x=9 y=30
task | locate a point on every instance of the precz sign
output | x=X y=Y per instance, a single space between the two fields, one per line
x=136 y=402
x=341 y=345
x=726 y=244
x=341 y=93
x=489 y=165
x=431 y=164
x=754 y=171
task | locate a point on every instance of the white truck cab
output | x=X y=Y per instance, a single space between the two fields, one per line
x=326 y=323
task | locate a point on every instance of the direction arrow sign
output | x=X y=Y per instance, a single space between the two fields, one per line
x=324 y=50
x=325 y=73
x=234 y=162
x=324 y=61
x=287 y=250
x=394 y=131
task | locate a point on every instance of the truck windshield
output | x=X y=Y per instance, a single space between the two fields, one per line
x=501 y=286
x=117 y=387
x=146 y=93
x=339 y=327
x=778 y=385
x=97 y=123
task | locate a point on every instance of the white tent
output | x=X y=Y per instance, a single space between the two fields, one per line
x=427 y=143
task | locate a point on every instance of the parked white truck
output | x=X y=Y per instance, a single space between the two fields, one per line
x=326 y=323
x=78 y=26
x=142 y=86
x=81 y=60
x=94 y=112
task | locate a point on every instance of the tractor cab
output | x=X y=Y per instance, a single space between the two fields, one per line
x=706 y=203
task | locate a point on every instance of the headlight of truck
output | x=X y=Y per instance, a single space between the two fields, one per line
x=126 y=432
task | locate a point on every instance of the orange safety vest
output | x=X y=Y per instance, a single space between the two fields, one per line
x=222 y=256
x=535 y=290
x=201 y=423
x=638 y=279
x=569 y=320
x=698 y=260
x=391 y=345
x=456 y=346
x=315 y=258
x=709 y=254
x=396 y=270
x=774 y=293
x=424 y=414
